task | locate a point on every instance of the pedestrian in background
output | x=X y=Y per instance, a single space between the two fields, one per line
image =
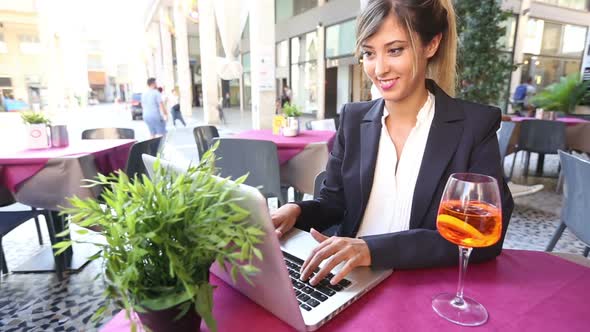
x=174 y=100
x=155 y=114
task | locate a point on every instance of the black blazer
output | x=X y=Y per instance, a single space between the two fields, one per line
x=462 y=138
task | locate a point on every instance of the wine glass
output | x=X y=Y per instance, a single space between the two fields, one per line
x=470 y=216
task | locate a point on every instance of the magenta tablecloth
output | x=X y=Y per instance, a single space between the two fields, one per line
x=289 y=147
x=522 y=290
x=18 y=166
x=569 y=121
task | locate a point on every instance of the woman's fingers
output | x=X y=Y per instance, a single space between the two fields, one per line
x=336 y=259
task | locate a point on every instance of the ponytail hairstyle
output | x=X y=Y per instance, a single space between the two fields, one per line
x=426 y=19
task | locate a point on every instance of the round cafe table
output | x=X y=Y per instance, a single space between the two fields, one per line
x=522 y=291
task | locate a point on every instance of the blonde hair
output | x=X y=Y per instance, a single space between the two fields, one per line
x=426 y=18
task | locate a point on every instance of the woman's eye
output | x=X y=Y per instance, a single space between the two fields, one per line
x=395 y=51
x=366 y=54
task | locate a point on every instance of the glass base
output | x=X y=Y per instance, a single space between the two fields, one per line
x=468 y=313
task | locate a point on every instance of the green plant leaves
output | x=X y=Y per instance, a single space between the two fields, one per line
x=563 y=96
x=31 y=117
x=204 y=305
x=483 y=68
x=164 y=233
x=291 y=110
x=165 y=301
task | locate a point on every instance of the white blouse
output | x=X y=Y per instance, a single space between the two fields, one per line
x=390 y=202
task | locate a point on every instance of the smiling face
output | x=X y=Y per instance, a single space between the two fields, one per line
x=389 y=61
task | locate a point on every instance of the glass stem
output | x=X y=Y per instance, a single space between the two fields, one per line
x=464 y=254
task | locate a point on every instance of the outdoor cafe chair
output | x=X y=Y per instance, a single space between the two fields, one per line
x=575 y=212
x=504 y=135
x=539 y=136
x=325 y=124
x=204 y=136
x=135 y=164
x=258 y=158
x=11 y=216
x=108 y=133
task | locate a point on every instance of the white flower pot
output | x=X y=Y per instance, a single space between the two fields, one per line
x=292 y=127
x=37 y=136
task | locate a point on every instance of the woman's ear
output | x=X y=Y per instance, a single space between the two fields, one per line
x=432 y=46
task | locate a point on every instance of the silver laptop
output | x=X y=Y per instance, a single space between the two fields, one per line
x=277 y=287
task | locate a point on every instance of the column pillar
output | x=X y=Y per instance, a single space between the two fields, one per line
x=241 y=82
x=262 y=52
x=523 y=18
x=208 y=46
x=182 y=61
x=321 y=31
x=167 y=62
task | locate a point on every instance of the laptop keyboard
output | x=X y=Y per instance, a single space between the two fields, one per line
x=310 y=296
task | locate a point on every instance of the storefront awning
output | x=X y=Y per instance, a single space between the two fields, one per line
x=97 y=78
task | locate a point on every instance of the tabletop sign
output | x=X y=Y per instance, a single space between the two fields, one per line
x=278 y=122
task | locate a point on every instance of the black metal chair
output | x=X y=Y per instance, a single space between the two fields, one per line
x=108 y=133
x=504 y=135
x=11 y=218
x=204 y=136
x=260 y=159
x=539 y=136
x=135 y=164
x=575 y=210
x=319 y=180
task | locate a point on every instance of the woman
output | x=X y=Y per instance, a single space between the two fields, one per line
x=175 y=109
x=392 y=156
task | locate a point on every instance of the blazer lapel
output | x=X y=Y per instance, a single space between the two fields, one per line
x=443 y=138
x=370 y=134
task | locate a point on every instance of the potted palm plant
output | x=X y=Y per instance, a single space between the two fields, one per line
x=292 y=113
x=37 y=129
x=564 y=95
x=161 y=237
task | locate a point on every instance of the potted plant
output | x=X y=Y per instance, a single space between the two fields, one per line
x=292 y=114
x=564 y=95
x=37 y=129
x=162 y=235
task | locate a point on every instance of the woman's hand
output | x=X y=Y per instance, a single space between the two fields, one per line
x=354 y=252
x=285 y=217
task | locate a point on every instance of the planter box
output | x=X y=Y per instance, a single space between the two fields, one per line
x=37 y=136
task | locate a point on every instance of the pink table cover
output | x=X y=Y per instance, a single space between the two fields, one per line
x=18 y=166
x=522 y=290
x=569 y=121
x=289 y=147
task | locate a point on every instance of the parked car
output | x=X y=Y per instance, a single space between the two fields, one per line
x=136 y=109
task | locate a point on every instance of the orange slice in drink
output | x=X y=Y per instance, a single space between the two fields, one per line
x=459 y=226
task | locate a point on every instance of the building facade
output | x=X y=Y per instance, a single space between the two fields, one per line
x=314 y=56
x=21 y=63
x=315 y=44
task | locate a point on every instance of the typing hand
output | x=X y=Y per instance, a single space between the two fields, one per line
x=354 y=252
x=284 y=218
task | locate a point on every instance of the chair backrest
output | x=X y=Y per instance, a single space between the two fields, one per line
x=576 y=207
x=135 y=164
x=108 y=133
x=236 y=157
x=204 y=136
x=326 y=124
x=542 y=136
x=319 y=181
x=504 y=135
